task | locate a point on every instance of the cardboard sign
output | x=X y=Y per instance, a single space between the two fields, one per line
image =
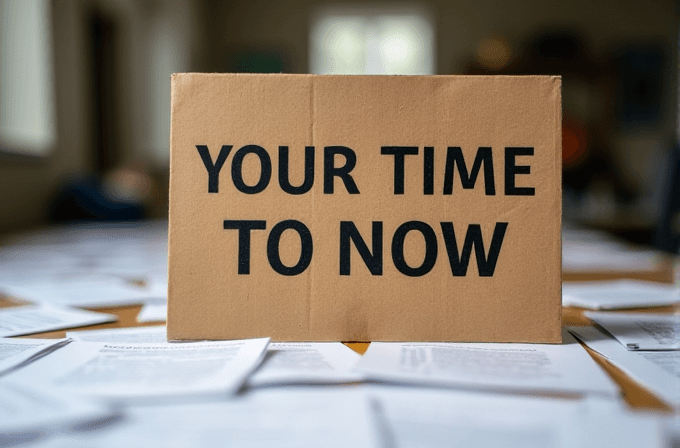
x=365 y=208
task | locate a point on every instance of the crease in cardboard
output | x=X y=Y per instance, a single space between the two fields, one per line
x=312 y=121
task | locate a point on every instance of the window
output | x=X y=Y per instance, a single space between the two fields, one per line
x=27 y=123
x=372 y=41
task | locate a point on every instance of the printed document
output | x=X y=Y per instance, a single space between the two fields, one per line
x=306 y=362
x=641 y=331
x=658 y=371
x=16 y=353
x=565 y=368
x=136 y=335
x=429 y=418
x=24 y=320
x=119 y=371
x=281 y=417
x=618 y=294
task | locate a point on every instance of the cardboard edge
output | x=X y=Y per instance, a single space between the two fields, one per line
x=175 y=79
x=181 y=81
x=557 y=83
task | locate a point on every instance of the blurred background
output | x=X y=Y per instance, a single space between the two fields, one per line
x=85 y=90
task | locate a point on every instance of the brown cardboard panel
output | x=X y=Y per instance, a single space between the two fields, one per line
x=314 y=272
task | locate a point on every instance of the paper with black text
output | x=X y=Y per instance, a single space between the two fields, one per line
x=429 y=418
x=306 y=362
x=641 y=331
x=119 y=371
x=618 y=294
x=564 y=368
x=658 y=371
x=24 y=320
x=272 y=417
x=136 y=335
x=30 y=414
x=19 y=352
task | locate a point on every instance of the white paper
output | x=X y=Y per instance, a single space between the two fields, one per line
x=88 y=265
x=30 y=414
x=153 y=312
x=287 y=417
x=430 y=418
x=136 y=335
x=641 y=331
x=608 y=257
x=24 y=320
x=19 y=352
x=306 y=362
x=120 y=371
x=564 y=368
x=90 y=290
x=658 y=371
x=618 y=294
x=588 y=251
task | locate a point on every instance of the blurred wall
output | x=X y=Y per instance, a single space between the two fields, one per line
x=158 y=37
x=153 y=40
x=460 y=25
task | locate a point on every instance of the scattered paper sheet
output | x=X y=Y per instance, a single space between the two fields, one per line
x=29 y=414
x=137 y=335
x=588 y=251
x=153 y=312
x=120 y=371
x=608 y=258
x=286 y=417
x=641 y=331
x=659 y=371
x=88 y=265
x=16 y=353
x=618 y=294
x=306 y=362
x=86 y=291
x=565 y=368
x=24 y=320
x=417 y=417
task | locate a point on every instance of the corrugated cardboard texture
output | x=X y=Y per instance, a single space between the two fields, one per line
x=209 y=299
